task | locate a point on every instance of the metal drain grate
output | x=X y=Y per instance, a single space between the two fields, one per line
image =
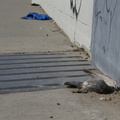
x=43 y=71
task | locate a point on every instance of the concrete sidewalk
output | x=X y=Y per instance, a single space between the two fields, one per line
x=27 y=36
x=19 y=36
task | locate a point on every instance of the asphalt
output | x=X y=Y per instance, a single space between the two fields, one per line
x=29 y=36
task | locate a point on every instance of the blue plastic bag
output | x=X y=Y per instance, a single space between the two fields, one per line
x=36 y=16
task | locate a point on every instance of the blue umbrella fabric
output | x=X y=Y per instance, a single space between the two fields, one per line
x=36 y=16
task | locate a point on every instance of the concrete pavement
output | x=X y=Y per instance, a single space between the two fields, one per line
x=19 y=36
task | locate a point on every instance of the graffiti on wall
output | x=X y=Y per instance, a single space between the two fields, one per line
x=106 y=37
x=75 y=7
x=105 y=16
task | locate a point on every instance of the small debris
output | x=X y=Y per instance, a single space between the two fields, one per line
x=86 y=58
x=102 y=98
x=35 y=4
x=58 y=103
x=76 y=50
x=55 y=30
x=47 y=35
x=91 y=96
x=108 y=99
x=105 y=98
x=51 y=116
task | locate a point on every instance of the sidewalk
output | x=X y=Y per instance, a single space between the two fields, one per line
x=27 y=36
x=19 y=36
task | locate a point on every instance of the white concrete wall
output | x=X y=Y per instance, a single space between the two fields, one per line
x=74 y=18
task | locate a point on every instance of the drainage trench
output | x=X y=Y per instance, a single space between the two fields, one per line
x=41 y=71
